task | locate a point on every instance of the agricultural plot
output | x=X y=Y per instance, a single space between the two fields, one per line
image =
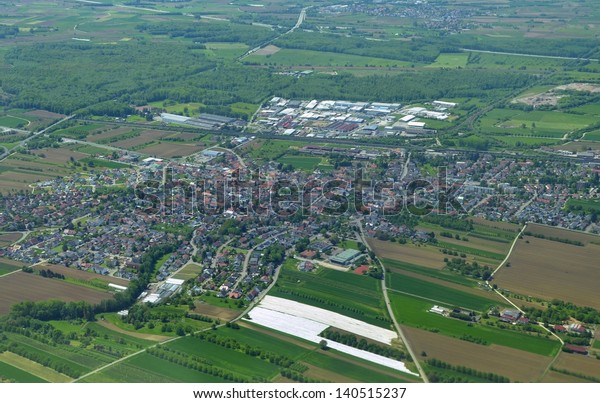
x=551 y=269
x=578 y=365
x=8 y=265
x=218 y=312
x=451 y=60
x=301 y=163
x=106 y=135
x=308 y=322
x=413 y=312
x=330 y=289
x=84 y=276
x=21 y=286
x=170 y=150
x=145 y=137
x=62 y=155
x=535 y=123
x=422 y=256
x=146 y=368
x=14 y=374
x=189 y=271
x=441 y=275
x=518 y=366
x=8 y=239
x=13 y=122
x=463 y=298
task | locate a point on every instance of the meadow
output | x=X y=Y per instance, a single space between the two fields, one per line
x=299 y=162
x=534 y=124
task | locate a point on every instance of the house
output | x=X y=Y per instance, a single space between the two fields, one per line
x=577 y=328
x=571 y=348
x=559 y=328
x=306 y=266
x=308 y=254
x=509 y=315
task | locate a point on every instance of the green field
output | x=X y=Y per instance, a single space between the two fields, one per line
x=8 y=266
x=534 y=124
x=469 y=250
x=14 y=122
x=299 y=162
x=451 y=60
x=587 y=206
x=8 y=372
x=413 y=312
x=98 y=163
x=593 y=136
x=346 y=293
x=434 y=273
x=145 y=368
x=449 y=296
x=235 y=361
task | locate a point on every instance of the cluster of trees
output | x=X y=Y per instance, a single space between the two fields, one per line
x=560 y=311
x=474 y=339
x=45 y=361
x=8 y=31
x=53 y=310
x=418 y=51
x=449 y=222
x=469 y=269
x=213 y=31
x=298 y=377
x=362 y=344
x=50 y=274
x=233 y=344
x=554 y=238
x=274 y=254
x=488 y=376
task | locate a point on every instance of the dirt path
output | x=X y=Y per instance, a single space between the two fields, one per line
x=151 y=337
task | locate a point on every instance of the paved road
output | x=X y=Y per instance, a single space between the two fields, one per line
x=299 y=22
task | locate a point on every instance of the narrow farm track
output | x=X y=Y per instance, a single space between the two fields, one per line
x=549 y=366
x=388 y=305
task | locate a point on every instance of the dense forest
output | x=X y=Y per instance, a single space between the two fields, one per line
x=202 y=32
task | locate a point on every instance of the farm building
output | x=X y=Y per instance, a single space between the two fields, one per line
x=306 y=266
x=439 y=310
x=171 y=118
x=509 y=315
x=345 y=257
x=571 y=348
